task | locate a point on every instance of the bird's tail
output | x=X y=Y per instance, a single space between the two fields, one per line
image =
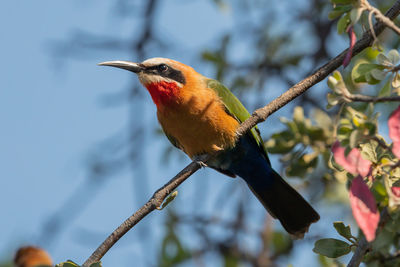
x=282 y=201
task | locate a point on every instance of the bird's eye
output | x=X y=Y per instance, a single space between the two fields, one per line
x=162 y=68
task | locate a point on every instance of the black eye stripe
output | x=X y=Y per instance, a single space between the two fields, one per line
x=166 y=71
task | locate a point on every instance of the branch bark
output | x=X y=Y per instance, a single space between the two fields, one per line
x=374 y=99
x=258 y=116
x=363 y=246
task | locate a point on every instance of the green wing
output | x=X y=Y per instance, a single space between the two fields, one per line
x=236 y=109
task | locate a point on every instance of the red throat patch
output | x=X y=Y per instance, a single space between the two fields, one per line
x=163 y=93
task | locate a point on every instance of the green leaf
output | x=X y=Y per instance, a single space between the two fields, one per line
x=368 y=151
x=355 y=15
x=355 y=138
x=281 y=243
x=298 y=114
x=396 y=81
x=378 y=74
x=333 y=99
x=342 y=2
x=384 y=60
x=386 y=89
x=380 y=193
x=68 y=263
x=338 y=11
x=279 y=145
x=393 y=56
x=343 y=23
x=96 y=264
x=303 y=165
x=332 y=82
x=331 y=248
x=344 y=130
x=169 y=199
x=322 y=119
x=361 y=72
x=343 y=230
x=370 y=79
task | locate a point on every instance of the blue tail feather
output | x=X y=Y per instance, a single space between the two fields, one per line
x=277 y=196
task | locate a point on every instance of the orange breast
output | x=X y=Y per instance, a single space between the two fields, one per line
x=199 y=122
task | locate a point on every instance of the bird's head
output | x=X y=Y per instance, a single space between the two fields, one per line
x=164 y=78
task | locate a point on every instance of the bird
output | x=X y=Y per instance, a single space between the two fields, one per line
x=200 y=116
x=31 y=256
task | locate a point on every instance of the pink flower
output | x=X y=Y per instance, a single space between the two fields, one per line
x=364 y=208
x=353 y=162
x=394 y=131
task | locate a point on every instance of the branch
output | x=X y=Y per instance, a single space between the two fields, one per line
x=366 y=98
x=378 y=15
x=363 y=246
x=258 y=116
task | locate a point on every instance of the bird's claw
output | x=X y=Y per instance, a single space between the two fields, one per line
x=199 y=159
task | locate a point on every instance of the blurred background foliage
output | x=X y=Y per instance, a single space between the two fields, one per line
x=271 y=46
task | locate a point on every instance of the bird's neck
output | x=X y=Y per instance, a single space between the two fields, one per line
x=163 y=93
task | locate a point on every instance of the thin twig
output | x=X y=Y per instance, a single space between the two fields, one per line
x=374 y=99
x=379 y=16
x=349 y=97
x=258 y=116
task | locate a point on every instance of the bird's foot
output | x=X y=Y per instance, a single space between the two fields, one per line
x=199 y=159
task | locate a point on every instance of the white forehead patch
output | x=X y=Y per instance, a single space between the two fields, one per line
x=156 y=61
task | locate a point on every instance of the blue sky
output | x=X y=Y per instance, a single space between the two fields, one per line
x=51 y=117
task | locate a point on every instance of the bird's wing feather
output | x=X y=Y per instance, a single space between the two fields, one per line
x=236 y=109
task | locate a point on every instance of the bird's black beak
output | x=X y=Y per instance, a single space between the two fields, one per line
x=126 y=65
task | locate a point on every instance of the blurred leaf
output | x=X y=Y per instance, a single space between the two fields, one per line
x=384 y=60
x=345 y=130
x=172 y=250
x=68 y=263
x=383 y=241
x=230 y=260
x=343 y=23
x=355 y=15
x=396 y=81
x=361 y=72
x=394 y=131
x=342 y=2
x=331 y=247
x=386 y=89
x=355 y=137
x=364 y=208
x=316 y=134
x=378 y=74
x=368 y=151
x=379 y=192
x=303 y=165
x=333 y=100
x=298 y=114
x=281 y=142
x=96 y=264
x=281 y=243
x=393 y=56
x=336 y=82
x=339 y=10
x=353 y=162
x=322 y=118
